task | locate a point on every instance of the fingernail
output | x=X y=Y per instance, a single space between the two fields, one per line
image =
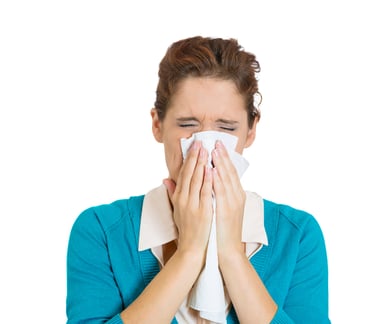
x=196 y=145
x=219 y=144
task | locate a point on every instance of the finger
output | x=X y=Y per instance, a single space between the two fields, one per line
x=187 y=169
x=218 y=186
x=226 y=170
x=198 y=176
x=206 y=191
x=227 y=175
x=170 y=186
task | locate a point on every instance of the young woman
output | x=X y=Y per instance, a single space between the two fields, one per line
x=138 y=260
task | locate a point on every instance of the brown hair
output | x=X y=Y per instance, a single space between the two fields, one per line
x=208 y=57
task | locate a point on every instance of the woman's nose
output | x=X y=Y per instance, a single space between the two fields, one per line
x=207 y=127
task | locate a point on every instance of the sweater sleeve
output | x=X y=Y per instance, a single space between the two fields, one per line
x=92 y=294
x=307 y=298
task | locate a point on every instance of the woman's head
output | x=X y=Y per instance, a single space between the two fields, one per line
x=205 y=84
x=217 y=58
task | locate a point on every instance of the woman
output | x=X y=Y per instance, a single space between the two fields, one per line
x=138 y=260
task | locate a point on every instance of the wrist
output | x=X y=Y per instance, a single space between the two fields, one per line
x=229 y=257
x=194 y=257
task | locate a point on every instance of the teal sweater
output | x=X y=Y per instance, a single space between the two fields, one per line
x=106 y=272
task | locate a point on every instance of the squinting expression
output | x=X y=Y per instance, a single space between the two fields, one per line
x=201 y=104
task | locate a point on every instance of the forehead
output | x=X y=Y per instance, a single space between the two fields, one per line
x=207 y=95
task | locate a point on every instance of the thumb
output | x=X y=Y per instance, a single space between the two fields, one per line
x=170 y=186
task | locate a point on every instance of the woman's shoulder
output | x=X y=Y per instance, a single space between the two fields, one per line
x=294 y=229
x=109 y=215
x=285 y=215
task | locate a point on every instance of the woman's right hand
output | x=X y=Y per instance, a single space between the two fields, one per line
x=191 y=198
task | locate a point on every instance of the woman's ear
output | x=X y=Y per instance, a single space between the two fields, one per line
x=156 y=126
x=251 y=134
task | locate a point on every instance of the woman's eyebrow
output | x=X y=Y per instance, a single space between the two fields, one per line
x=227 y=121
x=185 y=119
x=220 y=120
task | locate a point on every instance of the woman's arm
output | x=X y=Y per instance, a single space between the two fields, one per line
x=250 y=298
x=93 y=293
x=159 y=302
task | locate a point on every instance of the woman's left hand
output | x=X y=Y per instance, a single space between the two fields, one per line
x=230 y=202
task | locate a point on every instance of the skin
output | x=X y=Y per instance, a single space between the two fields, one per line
x=202 y=104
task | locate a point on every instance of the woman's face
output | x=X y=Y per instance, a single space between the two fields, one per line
x=201 y=104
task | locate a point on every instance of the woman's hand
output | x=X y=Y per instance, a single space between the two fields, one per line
x=230 y=202
x=191 y=198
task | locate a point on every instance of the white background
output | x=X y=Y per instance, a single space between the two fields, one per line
x=77 y=81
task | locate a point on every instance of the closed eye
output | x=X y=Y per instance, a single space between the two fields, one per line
x=227 y=125
x=187 y=125
x=229 y=129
